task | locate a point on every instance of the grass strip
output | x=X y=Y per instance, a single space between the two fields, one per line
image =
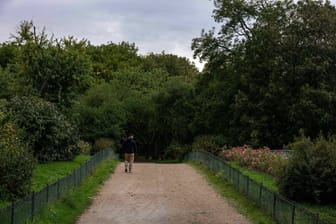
x=48 y=173
x=260 y=177
x=327 y=212
x=72 y=205
x=245 y=206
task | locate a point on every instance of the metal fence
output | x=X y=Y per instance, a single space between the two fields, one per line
x=280 y=208
x=26 y=208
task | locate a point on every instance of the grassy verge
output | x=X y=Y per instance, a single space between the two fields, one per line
x=69 y=208
x=267 y=180
x=245 y=206
x=327 y=212
x=48 y=173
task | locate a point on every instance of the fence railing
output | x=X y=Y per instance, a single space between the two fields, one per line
x=26 y=208
x=283 y=210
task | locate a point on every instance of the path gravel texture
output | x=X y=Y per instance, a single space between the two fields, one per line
x=159 y=193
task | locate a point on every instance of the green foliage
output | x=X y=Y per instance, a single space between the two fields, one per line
x=310 y=174
x=205 y=143
x=176 y=151
x=174 y=111
x=16 y=163
x=8 y=55
x=269 y=71
x=172 y=65
x=6 y=83
x=107 y=59
x=57 y=70
x=47 y=132
x=101 y=144
x=99 y=113
x=84 y=147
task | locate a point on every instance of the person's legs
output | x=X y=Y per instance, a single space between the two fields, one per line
x=131 y=161
x=127 y=161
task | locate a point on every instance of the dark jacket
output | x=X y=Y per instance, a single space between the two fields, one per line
x=129 y=146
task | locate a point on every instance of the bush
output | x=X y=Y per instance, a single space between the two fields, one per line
x=99 y=113
x=48 y=132
x=176 y=151
x=84 y=147
x=262 y=159
x=206 y=143
x=102 y=143
x=310 y=174
x=16 y=164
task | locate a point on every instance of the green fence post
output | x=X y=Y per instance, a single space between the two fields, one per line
x=74 y=179
x=80 y=175
x=58 y=188
x=293 y=213
x=274 y=205
x=260 y=192
x=247 y=185
x=47 y=193
x=317 y=218
x=238 y=177
x=13 y=212
x=33 y=205
x=230 y=171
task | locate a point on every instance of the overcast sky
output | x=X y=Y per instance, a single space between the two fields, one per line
x=153 y=25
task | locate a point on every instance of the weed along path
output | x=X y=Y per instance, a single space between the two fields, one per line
x=159 y=193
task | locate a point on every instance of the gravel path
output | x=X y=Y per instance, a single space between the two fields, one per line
x=159 y=193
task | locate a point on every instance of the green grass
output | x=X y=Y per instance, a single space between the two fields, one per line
x=48 y=173
x=245 y=206
x=72 y=205
x=264 y=178
x=327 y=212
x=4 y=203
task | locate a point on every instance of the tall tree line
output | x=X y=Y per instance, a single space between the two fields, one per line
x=270 y=71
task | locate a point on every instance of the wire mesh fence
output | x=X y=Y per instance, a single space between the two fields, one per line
x=26 y=208
x=280 y=208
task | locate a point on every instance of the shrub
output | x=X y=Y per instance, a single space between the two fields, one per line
x=100 y=113
x=206 y=143
x=262 y=159
x=84 y=147
x=176 y=151
x=16 y=164
x=102 y=143
x=310 y=174
x=47 y=131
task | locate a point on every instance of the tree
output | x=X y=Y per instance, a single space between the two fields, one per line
x=49 y=134
x=110 y=58
x=57 y=70
x=282 y=61
x=172 y=65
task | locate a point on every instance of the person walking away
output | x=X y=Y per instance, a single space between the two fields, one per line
x=129 y=148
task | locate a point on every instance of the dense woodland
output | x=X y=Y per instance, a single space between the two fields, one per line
x=269 y=76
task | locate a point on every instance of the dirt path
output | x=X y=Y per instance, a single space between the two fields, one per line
x=159 y=193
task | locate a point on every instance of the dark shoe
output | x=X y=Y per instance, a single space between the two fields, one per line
x=125 y=170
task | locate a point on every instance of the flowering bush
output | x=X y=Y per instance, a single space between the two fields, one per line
x=262 y=159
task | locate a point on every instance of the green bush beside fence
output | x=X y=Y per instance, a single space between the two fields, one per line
x=27 y=207
x=280 y=208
